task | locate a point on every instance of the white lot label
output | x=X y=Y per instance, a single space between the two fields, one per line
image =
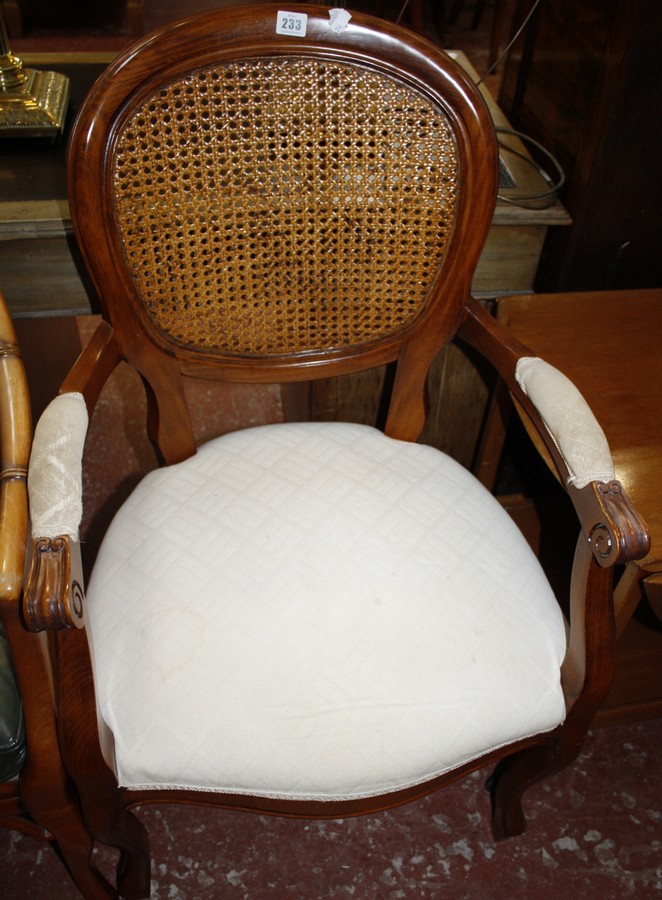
x=291 y=23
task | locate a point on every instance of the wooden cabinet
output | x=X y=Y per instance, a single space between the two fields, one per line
x=586 y=82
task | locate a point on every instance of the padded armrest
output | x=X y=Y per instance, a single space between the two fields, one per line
x=615 y=530
x=53 y=595
x=567 y=416
x=55 y=471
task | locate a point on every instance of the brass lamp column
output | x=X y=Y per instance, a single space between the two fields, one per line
x=32 y=103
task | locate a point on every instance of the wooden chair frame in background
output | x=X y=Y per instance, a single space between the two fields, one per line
x=41 y=801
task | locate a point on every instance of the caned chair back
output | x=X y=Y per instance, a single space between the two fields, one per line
x=283 y=207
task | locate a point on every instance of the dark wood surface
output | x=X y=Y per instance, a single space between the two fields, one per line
x=25 y=15
x=608 y=344
x=586 y=82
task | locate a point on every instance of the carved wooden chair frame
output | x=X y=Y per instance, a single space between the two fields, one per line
x=611 y=531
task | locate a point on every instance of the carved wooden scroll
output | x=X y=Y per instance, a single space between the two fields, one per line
x=615 y=530
x=54 y=593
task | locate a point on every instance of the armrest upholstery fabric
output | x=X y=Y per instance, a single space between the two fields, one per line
x=569 y=420
x=55 y=473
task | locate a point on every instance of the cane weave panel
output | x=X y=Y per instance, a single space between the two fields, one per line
x=277 y=206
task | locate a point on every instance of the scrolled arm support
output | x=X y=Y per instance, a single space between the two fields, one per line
x=54 y=594
x=614 y=529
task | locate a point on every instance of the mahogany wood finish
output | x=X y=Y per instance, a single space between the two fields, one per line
x=54 y=595
x=41 y=801
x=139 y=331
x=615 y=367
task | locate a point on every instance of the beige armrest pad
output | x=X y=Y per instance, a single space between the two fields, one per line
x=55 y=472
x=569 y=420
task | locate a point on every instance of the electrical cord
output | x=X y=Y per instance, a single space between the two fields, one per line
x=510 y=43
x=402 y=11
x=405 y=4
x=532 y=201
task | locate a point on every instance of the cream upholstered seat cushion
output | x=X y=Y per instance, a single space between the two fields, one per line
x=317 y=611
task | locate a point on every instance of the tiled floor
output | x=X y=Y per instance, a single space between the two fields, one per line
x=594 y=831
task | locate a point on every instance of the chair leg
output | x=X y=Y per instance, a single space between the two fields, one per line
x=121 y=830
x=627 y=595
x=124 y=832
x=104 y=813
x=653 y=589
x=89 y=881
x=133 y=870
x=587 y=675
x=74 y=845
x=515 y=774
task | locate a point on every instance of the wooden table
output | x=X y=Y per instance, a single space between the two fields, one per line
x=608 y=343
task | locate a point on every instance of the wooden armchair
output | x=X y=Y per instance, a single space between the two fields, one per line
x=316 y=619
x=36 y=795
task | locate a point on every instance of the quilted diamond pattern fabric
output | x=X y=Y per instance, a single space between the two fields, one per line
x=317 y=611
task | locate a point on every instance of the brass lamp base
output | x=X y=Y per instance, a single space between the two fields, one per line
x=32 y=103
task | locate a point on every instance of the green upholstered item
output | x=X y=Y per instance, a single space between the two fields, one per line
x=12 y=728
